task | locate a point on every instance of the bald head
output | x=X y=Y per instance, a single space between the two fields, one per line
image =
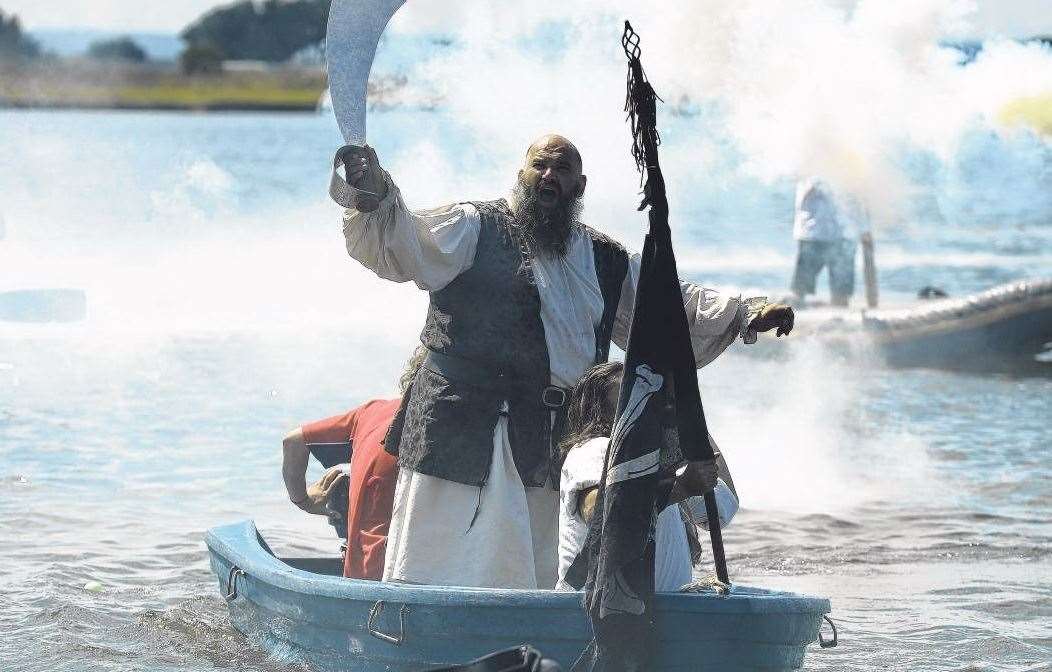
x=554 y=143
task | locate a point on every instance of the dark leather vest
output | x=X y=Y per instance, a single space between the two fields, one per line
x=490 y=316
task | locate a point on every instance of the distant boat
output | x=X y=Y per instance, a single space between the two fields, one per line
x=302 y=609
x=1012 y=321
x=43 y=305
x=1000 y=327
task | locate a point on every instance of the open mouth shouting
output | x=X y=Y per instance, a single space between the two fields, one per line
x=548 y=194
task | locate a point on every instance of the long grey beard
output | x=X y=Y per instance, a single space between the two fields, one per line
x=545 y=231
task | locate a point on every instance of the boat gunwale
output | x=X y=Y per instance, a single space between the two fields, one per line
x=957 y=314
x=241 y=545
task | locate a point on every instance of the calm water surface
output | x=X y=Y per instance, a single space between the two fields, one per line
x=223 y=311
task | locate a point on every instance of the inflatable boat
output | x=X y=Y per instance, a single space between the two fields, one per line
x=1012 y=321
x=302 y=610
x=1001 y=327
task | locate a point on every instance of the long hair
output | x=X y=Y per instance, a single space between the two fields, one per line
x=590 y=413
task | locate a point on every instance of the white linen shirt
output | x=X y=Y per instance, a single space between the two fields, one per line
x=432 y=247
x=582 y=470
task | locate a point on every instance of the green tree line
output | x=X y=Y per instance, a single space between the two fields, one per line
x=117 y=49
x=14 y=43
x=272 y=30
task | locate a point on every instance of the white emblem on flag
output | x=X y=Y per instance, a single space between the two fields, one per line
x=645 y=383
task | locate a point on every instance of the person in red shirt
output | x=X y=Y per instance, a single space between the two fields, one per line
x=358 y=435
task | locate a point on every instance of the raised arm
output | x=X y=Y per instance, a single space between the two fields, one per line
x=429 y=248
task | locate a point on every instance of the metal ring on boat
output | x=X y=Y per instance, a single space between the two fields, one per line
x=827 y=643
x=375 y=612
x=231 y=583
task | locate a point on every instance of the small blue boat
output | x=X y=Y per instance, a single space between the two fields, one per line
x=303 y=610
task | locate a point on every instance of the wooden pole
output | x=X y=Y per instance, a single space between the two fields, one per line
x=642 y=108
x=869 y=269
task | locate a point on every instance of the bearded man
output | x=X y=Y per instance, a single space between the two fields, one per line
x=524 y=299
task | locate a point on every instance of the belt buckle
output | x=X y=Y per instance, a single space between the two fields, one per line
x=549 y=392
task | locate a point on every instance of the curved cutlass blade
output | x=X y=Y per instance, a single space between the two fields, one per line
x=354 y=30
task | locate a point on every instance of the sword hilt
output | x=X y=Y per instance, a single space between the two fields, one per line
x=346 y=194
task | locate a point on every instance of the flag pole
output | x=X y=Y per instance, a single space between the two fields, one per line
x=641 y=106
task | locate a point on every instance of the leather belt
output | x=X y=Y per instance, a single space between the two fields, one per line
x=464 y=370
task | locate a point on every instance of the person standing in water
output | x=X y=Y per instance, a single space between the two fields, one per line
x=827 y=228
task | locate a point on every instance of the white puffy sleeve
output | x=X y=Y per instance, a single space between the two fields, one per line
x=715 y=319
x=726 y=505
x=429 y=248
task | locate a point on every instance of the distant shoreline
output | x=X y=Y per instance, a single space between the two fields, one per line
x=218 y=106
x=86 y=85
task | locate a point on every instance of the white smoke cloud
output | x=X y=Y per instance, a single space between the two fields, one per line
x=801 y=87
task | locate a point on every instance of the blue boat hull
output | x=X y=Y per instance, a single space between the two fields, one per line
x=346 y=624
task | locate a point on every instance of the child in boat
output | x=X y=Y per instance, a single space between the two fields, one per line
x=592 y=407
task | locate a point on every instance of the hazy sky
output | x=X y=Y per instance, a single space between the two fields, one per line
x=994 y=17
